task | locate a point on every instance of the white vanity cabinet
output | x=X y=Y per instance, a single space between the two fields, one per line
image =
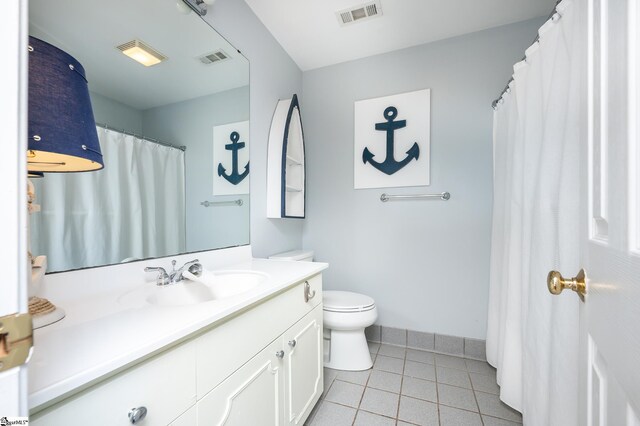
x=279 y=386
x=261 y=366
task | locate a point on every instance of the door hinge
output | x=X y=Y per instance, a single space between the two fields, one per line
x=16 y=340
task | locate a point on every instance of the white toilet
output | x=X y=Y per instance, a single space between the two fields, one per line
x=346 y=315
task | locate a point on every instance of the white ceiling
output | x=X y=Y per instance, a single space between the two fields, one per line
x=310 y=32
x=90 y=30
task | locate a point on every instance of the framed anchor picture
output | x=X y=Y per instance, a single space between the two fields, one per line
x=231 y=159
x=392 y=141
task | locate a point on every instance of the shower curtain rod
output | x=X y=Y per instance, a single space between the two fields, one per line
x=167 y=144
x=554 y=16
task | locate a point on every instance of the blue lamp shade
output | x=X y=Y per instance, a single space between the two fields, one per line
x=62 y=130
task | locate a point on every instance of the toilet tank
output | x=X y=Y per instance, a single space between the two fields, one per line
x=300 y=255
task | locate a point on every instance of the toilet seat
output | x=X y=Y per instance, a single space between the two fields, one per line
x=346 y=302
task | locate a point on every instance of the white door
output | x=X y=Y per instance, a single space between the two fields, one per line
x=13 y=49
x=610 y=316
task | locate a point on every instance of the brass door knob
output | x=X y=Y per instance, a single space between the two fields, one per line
x=556 y=283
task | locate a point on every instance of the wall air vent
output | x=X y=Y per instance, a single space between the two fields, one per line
x=214 y=57
x=359 y=13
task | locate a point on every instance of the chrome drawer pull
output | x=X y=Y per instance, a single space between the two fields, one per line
x=280 y=354
x=136 y=415
x=292 y=343
x=308 y=294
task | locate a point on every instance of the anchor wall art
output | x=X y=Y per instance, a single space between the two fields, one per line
x=391 y=141
x=231 y=158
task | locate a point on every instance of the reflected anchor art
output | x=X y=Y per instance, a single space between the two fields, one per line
x=390 y=166
x=234 y=178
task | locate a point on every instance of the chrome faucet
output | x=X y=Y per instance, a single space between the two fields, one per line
x=175 y=276
x=192 y=266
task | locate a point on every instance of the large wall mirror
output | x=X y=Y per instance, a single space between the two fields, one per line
x=162 y=190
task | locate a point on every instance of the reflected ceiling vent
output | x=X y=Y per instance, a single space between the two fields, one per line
x=214 y=57
x=141 y=52
x=361 y=12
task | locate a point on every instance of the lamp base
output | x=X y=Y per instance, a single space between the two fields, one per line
x=43 y=312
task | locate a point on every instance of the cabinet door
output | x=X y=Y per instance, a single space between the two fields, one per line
x=303 y=343
x=250 y=396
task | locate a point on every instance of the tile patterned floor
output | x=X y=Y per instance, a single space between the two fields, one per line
x=412 y=387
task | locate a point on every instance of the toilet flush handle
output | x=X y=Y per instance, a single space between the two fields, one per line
x=308 y=294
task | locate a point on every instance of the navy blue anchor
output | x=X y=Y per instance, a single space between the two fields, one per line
x=390 y=165
x=234 y=178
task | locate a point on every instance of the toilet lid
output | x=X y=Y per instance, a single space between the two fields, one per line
x=346 y=301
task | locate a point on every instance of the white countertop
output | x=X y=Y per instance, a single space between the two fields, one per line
x=99 y=335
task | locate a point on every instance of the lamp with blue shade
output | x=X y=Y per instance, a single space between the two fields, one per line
x=62 y=130
x=62 y=139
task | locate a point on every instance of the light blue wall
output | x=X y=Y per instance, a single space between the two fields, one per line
x=116 y=114
x=191 y=123
x=273 y=76
x=426 y=263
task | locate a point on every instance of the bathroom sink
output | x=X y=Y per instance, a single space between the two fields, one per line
x=194 y=290
x=180 y=294
x=184 y=293
x=225 y=284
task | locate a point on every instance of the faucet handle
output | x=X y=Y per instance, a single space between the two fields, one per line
x=162 y=278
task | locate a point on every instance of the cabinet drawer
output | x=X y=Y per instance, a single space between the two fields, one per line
x=225 y=348
x=165 y=385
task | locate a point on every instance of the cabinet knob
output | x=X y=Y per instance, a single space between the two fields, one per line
x=136 y=415
x=280 y=354
x=292 y=343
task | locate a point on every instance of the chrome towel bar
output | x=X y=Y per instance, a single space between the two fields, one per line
x=237 y=202
x=388 y=197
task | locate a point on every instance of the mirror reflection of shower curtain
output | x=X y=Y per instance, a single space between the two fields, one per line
x=539 y=135
x=133 y=208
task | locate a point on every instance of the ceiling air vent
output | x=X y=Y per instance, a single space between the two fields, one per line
x=213 y=57
x=358 y=13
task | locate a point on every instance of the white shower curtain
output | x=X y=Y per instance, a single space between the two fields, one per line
x=133 y=208
x=532 y=337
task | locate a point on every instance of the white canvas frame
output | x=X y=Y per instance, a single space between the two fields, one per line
x=415 y=109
